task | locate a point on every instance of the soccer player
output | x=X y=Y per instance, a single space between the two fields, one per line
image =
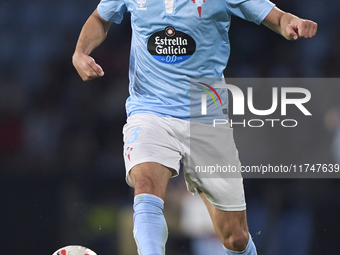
x=174 y=41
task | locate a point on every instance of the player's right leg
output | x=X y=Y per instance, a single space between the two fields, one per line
x=150 y=230
x=151 y=157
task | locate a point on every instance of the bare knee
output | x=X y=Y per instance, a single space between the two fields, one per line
x=236 y=240
x=231 y=227
x=144 y=184
x=150 y=178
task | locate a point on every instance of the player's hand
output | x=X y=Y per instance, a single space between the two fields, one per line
x=86 y=66
x=301 y=28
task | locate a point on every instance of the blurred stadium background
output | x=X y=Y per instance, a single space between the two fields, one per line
x=62 y=172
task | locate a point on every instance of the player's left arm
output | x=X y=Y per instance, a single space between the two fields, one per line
x=289 y=26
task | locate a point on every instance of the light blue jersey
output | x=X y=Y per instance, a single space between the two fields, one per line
x=174 y=41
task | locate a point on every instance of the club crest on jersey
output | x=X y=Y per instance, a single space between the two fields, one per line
x=141 y=6
x=171 y=46
x=199 y=4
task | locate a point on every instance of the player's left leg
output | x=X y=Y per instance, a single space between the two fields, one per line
x=213 y=169
x=232 y=228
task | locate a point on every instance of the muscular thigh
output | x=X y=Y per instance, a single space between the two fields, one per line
x=226 y=223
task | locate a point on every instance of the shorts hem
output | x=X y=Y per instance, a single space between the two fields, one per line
x=230 y=208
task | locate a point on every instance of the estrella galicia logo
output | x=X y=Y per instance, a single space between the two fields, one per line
x=171 y=46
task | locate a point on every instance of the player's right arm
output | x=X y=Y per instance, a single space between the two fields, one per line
x=91 y=36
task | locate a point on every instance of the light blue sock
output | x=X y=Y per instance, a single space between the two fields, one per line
x=150 y=230
x=250 y=250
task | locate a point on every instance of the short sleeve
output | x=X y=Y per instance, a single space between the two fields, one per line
x=112 y=10
x=251 y=10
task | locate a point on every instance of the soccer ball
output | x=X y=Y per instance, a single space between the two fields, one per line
x=74 y=250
